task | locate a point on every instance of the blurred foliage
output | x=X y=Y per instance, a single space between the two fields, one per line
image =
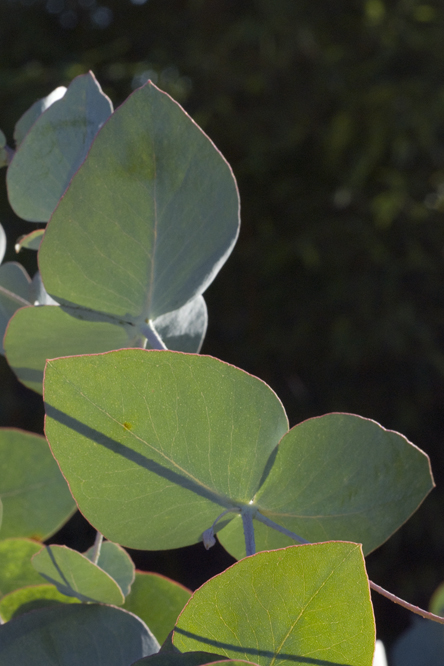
x=331 y=113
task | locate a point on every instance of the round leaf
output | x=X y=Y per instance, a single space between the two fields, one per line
x=303 y=604
x=157 y=601
x=30 y=598
x=14 y=293
x=36 y=498
x=27 y=120
x=54 y=147
x=75 y=575
x=72 y=634
x=148 y=219
x=156 y=444
x=16 y=569
x=117 y=563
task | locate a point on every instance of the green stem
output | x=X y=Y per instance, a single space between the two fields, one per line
x=247 y=522
x=97 y=547
x=279 y=528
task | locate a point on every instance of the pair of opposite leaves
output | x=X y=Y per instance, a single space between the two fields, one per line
x=146 y=223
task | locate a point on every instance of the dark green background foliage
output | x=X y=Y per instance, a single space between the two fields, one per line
x=331 y=113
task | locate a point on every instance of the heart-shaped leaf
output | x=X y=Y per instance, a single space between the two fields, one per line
x=117 y=563
x=54 y=147
x=36 y=498
x=86 y=634
x=148 y=219
x=157 y=601
x=75 y=575
x=182 y=436
x=16 y=569
x=302 y=604
x=37 y=334
x=30 y=598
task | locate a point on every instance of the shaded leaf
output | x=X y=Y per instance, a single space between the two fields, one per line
x=157 y=601
x=24 y=124
x=36 y=498
x=117 y=563
x=156 y=444
x=16 y=569
x=72 y=634
x=14 y=293
x=54 y=147
x=185 y=659
x=75 y=575
x=30 y=241
x=302 y=604
x=149 y=218
x=421 y=644
x=31 y=598
x=2 y=243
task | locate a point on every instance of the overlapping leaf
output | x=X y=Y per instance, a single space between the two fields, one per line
x=86 y=634
x=188 y=659
x=157 y=601
x=75 y=575
x=155 y=445
x=158 y=446
x=15 y=292
x=303 y=604
x=30 y=598
x=35 y=496
x=117 y=563
x=16 y=569
x=53 y=147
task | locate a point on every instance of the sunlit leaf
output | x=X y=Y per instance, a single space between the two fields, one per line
x=16 y=569
x=30 y=598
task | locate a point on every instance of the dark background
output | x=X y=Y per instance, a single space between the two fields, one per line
x=331 y=113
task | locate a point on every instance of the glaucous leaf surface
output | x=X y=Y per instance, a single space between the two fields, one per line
x=421 y=644
x=157 y=601
x=338 y=476
x=2 y=243
x=30 y=241
x=14 y=293
x=54 y=147
x=37 y=334
x=156 y=444
x=16 y=569
x=302 y=604
x=74 y=634
x=148 y=219
x=167 y=422
x=31 y=598
x=35 y=496
x=24 y=124
x=75 y=575
x=185 y=659
x=117 y=563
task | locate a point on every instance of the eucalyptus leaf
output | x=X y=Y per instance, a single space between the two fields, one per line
x=24 y=124
x=30 y=241
x=4 y=157
x=338 y=476
x=117 y=563
x=73 y=634
x=35 y=496
x=302 y=604
x=39 y=333
x=54 y=147
x=16 y=569
x=14 y=293
x=149 y=218
x=75 y=575
x=31 y=598
x=157 y=601
x=420 y=645
x=156 y=444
